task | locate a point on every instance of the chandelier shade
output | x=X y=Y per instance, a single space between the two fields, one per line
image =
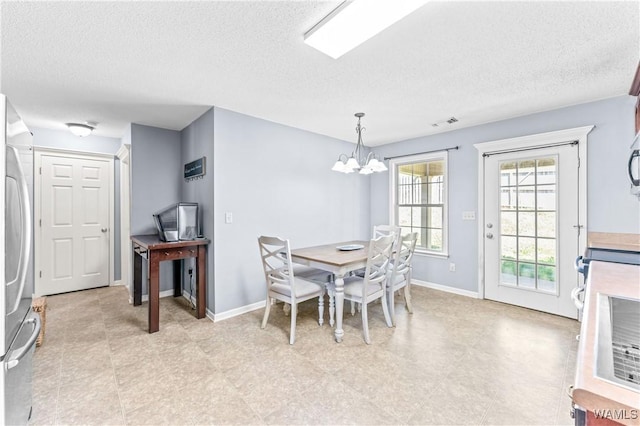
x=359 y=161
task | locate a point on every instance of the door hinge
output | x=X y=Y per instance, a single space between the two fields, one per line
x=40 y=170
x=40 y=222
x=578 y=162
x=40 y=274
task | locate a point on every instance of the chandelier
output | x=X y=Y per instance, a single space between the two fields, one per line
x=359 y=161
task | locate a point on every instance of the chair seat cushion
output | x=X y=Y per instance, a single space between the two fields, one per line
x=312 y=274
x=399 y=279
x=304 y=288
x=353 y=287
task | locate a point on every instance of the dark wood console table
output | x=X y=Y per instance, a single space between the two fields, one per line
x=155 y=251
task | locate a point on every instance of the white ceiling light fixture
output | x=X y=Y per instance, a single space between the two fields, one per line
x=81 y=130
x=356 y=21
x=364 y=163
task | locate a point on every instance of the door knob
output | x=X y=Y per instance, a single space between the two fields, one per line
x=104 y=230
x=489 y=235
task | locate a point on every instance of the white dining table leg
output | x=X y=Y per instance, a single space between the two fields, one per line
x=339 y=307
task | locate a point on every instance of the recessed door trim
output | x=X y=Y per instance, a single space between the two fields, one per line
x=578 y=134
x=37 y=202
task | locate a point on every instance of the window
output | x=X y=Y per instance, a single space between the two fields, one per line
x=419 y=199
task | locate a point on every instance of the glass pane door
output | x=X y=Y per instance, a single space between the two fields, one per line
x=528 y=238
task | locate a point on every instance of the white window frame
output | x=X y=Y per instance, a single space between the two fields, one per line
x=393 y=208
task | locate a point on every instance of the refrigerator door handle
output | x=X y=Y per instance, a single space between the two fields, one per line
x=25 y=214
x=14 y=359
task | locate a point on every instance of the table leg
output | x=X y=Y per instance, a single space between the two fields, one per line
x=202 y=282
x=154 y=292
x=339 y=307
x=137 y=279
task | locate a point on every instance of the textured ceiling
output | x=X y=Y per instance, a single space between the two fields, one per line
x=164 y=63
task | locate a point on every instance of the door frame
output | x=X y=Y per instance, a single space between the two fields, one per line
x=539 y=140
x=38 y=152
x=126 y=252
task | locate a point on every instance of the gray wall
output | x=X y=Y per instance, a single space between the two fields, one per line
x=276 y=180
x=196 y=142
x=64 y=140
x=155 y=183
x=610 y=206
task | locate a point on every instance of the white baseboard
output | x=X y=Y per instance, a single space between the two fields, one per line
x=210 y=315
x=448 y=289
x=238 y=311
x=259 y=305
x=145 y=297
x=117 y=283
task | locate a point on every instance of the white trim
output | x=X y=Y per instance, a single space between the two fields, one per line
x=145 y=297
x=239 y=311
x=445 y=288
x=532 y=141
x=169 y=293
x=126 y=252
x=210 y=315
x=72 y=153
x=393 y=163
x=116 y=283
x=38 y=152
x=539 y=139
x=123 y=153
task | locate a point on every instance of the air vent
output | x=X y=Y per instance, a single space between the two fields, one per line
x=449 y=120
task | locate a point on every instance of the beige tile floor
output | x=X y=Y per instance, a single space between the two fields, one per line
x=456 y=360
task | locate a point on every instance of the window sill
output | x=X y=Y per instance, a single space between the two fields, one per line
x=432 y=254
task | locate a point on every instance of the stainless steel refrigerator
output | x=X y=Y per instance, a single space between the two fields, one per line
x=19 y=324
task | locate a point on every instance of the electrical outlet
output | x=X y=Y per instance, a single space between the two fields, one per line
x=190 y=271
x=452 y=267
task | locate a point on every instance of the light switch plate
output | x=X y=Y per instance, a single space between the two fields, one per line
x=228 y=217
x=469 y=215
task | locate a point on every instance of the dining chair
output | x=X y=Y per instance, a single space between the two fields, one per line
x=282 y=284
x=319 y=277
x=400 y=276
x=378 y=230
x=373 y=285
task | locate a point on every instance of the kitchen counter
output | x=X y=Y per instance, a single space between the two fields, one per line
x=614 y=241
x=590 y=392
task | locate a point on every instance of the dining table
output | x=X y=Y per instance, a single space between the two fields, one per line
x=340 y=259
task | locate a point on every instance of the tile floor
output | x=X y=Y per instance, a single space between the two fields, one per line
x=456 y=360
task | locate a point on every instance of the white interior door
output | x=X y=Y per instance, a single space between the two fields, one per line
x=74 y=223
x=531 y=234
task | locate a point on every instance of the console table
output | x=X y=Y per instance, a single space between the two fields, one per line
x=150 y=247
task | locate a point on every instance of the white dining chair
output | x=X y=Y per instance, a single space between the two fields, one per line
x=373 y=285
x=400 y=276
x=319 y=277
x=282 y=284
x=378 y=230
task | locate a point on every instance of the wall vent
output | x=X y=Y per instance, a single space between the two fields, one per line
x=449 y=120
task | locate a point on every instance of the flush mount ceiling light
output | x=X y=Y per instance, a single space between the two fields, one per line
x=359 y=160
x=354 y=22
x=81 y=130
